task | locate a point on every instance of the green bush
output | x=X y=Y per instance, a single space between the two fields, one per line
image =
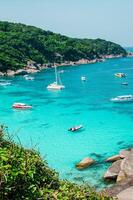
x=25 y=176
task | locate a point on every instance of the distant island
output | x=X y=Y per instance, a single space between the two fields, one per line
x=30 y=48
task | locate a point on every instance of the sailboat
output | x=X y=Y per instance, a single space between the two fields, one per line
x=57 y=85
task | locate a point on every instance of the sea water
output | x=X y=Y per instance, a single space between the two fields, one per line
x=107 y=126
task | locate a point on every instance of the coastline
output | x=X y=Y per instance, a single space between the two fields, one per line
x=32 y=67
x=89 y=68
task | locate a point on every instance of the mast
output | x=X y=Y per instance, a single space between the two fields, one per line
x=56 y=76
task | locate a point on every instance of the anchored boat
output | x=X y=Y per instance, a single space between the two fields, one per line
x=57 y=85
x=83 y=78
x=28 y=77
x=4 y=83
x=124 y=83
x=21 y=106
x=124 y=98
x=120 y=75
x=75 y=128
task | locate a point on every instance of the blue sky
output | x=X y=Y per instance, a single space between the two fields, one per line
x=107 y=19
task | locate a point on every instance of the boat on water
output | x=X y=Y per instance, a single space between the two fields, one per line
x=75 y=128
x=83 y=78
x=4 y=83
x=27 y=77
x=57 y=85
x=120 y=75
x=124 y=83
x=21 y=106
x=61 y=72
x=124 y=98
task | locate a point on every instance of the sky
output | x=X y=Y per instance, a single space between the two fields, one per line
x=107 y=19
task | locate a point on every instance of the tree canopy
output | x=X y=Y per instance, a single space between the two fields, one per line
x=20 y=43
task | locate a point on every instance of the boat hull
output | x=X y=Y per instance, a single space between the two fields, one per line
x=122 y=99
x=22 y=107
x=55 y=87
x=120 y=75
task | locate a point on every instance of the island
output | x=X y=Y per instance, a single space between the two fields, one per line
x=26 y=48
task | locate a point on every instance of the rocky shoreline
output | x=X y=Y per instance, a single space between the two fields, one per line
x=33 y=67
x=120 y=172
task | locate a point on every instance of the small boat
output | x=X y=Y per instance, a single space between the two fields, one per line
x=28 y=77
x=75 y=128
x=57 y=85
x=125 y=83
x=83 y=78
x=61 y=72
x=4 y=83
x=120 y=75
x=21 y=106
x=124 y=98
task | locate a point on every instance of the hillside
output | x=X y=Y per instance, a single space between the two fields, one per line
x=20 y=43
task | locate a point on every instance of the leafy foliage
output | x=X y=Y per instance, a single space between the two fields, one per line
x=25 y=176
x=20 y=43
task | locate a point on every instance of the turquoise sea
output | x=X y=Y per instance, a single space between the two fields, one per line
x=108 y=127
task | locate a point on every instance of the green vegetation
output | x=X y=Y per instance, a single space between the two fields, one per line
x=25 y=176
x=20 y=43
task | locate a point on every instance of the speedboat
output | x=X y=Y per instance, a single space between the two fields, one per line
x=124 y=98
x=75 y=128
x=83 y=78
x=21 y=106
x=120 y=75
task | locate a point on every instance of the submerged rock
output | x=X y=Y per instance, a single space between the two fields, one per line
x=113 y=158
x=113 y=171
x=86 y=162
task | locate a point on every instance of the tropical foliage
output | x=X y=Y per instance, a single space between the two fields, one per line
x=25 y=176
x=20 y=43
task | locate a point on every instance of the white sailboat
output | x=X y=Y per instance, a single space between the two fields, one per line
x=57 y=85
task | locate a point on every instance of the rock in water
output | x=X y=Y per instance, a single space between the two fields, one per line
x=124 y=153
x=113 y=158
x=113 y=171
x=127 y=165
x=86 y=162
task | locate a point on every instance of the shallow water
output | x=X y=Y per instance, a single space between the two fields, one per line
x=108 y=127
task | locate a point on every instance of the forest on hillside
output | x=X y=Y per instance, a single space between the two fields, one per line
x=20 y=43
